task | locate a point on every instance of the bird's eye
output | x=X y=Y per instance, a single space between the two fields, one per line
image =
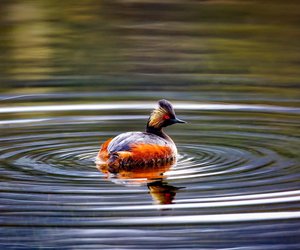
x=166 y=117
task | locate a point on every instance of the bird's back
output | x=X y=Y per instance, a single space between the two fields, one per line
x=137 y=149
x=126 y=141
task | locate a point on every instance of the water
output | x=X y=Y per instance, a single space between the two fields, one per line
x=74 y=75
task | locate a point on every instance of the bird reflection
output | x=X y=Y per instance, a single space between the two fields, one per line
x=160 y=191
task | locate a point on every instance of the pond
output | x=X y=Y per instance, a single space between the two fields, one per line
x=73 y=75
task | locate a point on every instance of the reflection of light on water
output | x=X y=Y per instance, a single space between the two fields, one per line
x=139 y=106
x=218 y=202
x=230 y=172
x=215 y=218
x=23 y=121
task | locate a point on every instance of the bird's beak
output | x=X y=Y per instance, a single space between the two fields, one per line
x=176 y=120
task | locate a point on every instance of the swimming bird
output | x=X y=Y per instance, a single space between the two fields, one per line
x=152 y=148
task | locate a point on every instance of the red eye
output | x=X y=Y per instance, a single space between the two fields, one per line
x=166 y=117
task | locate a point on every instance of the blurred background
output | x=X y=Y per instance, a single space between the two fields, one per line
x=236 y=51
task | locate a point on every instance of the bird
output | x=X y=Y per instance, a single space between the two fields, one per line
x=139 y=150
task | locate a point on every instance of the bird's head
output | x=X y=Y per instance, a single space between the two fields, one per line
x=163 y=116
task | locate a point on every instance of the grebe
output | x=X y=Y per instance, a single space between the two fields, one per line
x=152 y=148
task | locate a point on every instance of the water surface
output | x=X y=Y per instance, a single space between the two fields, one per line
x=74 y=75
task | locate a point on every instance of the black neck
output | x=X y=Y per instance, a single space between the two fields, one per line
x=158 y=132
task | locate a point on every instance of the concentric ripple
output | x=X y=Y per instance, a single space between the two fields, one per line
x=238 y=165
